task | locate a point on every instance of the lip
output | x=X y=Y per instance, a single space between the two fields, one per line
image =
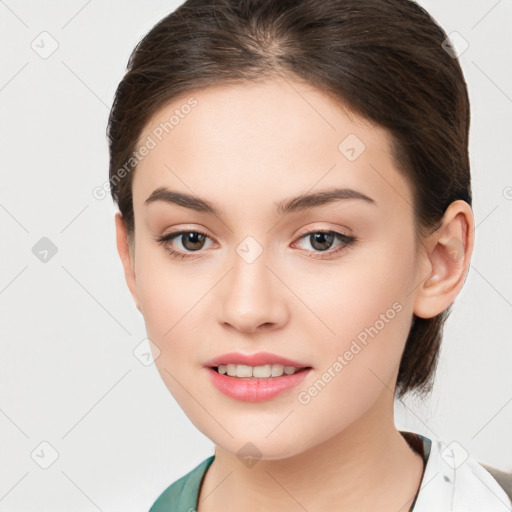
x=251 y=389
x=257 y=359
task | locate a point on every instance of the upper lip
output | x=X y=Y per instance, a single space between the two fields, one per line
x=258 y=359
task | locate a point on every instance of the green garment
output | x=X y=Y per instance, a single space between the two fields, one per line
x=182 y=495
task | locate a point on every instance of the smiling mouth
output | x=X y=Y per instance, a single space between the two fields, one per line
x=257 y=372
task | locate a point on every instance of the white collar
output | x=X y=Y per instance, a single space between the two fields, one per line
x=455 y=482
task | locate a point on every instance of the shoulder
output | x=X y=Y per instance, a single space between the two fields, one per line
x=182 y=494
x=455 y=481
x=502 y=477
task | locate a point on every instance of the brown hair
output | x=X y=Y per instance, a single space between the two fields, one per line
x=383 y=59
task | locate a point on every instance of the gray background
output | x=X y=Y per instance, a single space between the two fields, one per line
x=69 y=375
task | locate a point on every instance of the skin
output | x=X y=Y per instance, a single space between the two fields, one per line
x=243 y=148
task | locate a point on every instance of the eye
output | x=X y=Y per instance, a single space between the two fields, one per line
x=321 y=240
x=193 y=241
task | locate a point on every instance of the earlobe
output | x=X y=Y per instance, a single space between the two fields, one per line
x=449 y=253
x=127 y=258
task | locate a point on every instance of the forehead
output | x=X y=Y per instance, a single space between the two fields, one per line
x=252 y=112
x=257 y=140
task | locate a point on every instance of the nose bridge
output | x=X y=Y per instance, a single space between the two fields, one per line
x=250 y=278
x=250 y=297
x=250 y=265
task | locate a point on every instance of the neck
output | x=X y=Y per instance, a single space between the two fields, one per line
x=368 y=466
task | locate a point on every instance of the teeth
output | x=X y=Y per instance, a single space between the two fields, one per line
x=260 y=372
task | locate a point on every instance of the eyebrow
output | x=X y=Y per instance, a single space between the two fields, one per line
x=295 y=204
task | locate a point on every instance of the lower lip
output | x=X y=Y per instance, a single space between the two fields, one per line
x=253 y=389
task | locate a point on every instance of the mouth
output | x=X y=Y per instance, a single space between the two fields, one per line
x=267 y=371
x=256 y=383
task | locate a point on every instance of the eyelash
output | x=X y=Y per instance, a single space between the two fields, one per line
x=346 y=239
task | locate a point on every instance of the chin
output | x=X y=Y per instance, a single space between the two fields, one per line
x=251 y=448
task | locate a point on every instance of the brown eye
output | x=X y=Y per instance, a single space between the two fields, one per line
x=322 y=240
x=192 y=240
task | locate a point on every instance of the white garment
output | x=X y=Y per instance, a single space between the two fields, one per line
x=455 y=482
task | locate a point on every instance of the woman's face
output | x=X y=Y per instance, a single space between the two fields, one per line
x=265 y=279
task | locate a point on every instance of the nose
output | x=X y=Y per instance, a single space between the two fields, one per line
x=252 y=297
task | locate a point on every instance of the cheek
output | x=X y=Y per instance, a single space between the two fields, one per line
x=366 y=313
x=167 y=294
x=353 y=296
x=169 y=297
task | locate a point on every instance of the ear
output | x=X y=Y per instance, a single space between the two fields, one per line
x=446 y=261
x=126 y=253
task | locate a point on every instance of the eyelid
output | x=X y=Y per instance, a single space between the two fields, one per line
x=340 y=234
x=173 y=235
x=315 y=229
x=305 y=231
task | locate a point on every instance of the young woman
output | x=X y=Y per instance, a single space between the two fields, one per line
x=295 y=223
